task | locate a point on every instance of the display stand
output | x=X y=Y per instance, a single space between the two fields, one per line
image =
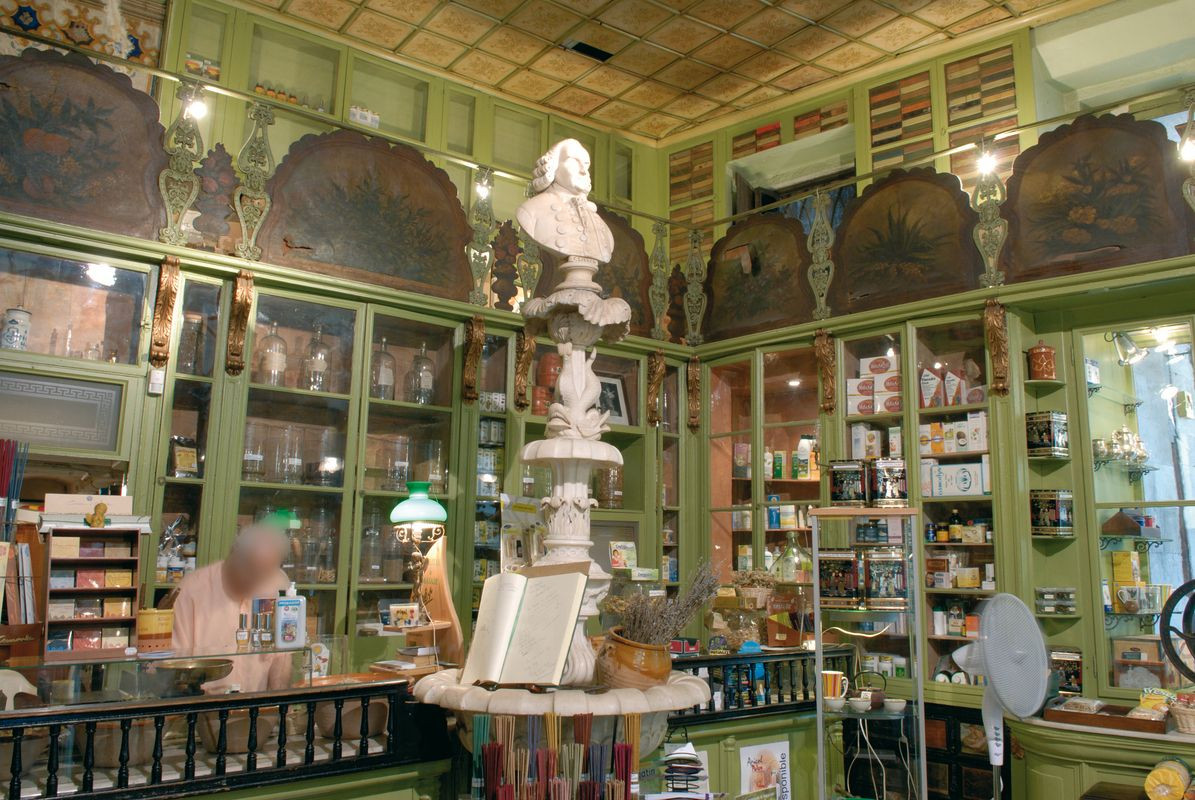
x=866 y=591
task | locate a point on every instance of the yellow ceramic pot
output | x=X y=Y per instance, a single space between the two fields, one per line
x=623 y=664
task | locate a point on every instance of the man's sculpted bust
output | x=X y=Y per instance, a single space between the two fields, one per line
x=560 y=216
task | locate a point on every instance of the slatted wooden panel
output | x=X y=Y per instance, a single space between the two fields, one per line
x=678 y=241
x=981 y=86
x=902 y=154
x=691 y=173
x=820 y=119
x=964 y=164
x=900 y=110
x=764 y=137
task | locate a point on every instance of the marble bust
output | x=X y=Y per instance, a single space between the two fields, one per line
x=560 y=216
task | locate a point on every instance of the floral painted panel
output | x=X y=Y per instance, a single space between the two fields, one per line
x=757 y=278
x=907 y=237
x=78 y=144
x=364 y=209
x=1099 y=192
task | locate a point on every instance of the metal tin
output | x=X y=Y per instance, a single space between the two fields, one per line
x=1051 y=512
x=1042 y=363
x=1046 y=434
x=849 y=483
x=887 y=582
x=889 y=483
x=839 y=579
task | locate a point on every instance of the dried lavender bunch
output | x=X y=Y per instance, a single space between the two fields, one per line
x=659 y=620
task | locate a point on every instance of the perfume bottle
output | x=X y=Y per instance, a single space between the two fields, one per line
x=421 y=380
x=243 y=634
x=271 y=365
x=381 y=374
x=316 y=372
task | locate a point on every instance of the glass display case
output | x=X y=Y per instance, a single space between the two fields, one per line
x=204 y=42
x=865 y=591
x=387 y=99
x=873 y=396
x=491 y=464
x=293 y=69
x=670 y=479
x=731 y=468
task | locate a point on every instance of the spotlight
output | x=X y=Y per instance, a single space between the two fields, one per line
x=795 y=382
x=482 y=189
x=197 y=109
x=891 y=352
x=103 y=274
x=1127 y=351
x=987 y=163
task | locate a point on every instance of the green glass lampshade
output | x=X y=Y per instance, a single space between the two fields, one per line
x=418 y=507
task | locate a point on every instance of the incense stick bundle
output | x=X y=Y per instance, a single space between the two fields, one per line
x=616 y=790
x=582 y=728
x=492 y=756
x=504 y=734
x=633 y=730
x=559 y=789
x=622 y=767
x=481 y=737
x=552 y=731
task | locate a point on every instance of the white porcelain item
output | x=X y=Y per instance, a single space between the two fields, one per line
x=860 y=705
x=895 y=705
x=835 y=703
x=15 y=332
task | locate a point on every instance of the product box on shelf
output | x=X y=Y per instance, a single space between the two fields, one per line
x=1126 y=567
x=948 y=480
x=87 y=639
x=878 y=365
x=888 y=382
x=954 y=388
x=91 y=548
x=860 y=405
x=967 y=578
x=889 y=402
x=117 y=550
x=60 y=609
x=62 y=579
x=1147 y=647
x=741 y=466
x=89 y=607
x=865 y=442
x=118 y=607
x=89 y=578
x=930 y=438
x=114 y=637
x=64 y=547
x=930 y=393
x=860 y=387
x=896 y=447
x=1091 y=370
x=977 y=431
x=118 y=578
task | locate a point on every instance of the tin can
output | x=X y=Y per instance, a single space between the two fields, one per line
x=1042 y=363
x=541 y=398
x=548 y=370
x=1051 y=512
x=889 y=484
x=849 y=483
x=1046 y=434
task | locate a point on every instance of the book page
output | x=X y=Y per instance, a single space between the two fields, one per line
x=541 y=639
x=501 y=596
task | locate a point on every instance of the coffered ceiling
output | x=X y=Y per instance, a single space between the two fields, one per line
x=674 y=63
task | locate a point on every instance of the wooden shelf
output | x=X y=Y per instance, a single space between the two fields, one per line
x=98 y=590
x=96 y=560
x=962 y=498
x=963 y=592
x=269 y=486
x=101 y=621
x=948 y=638
x=945 y=411
x=890 y=417
x=949 y=456
x=403 y=405
x=1040 y=615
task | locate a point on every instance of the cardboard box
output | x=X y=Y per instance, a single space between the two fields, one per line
x=889 y=403
x=986 y=463
x=858 y=406
x=91 y=548
x=60 y=609
x=1147 y=647
x=957 y=480
x=943 y=580
x=88 y=607
x=972 y=623
x=118 y=578
x=895 y=443
x=954 y=388
x=114 y=637
x=117 y=550
x=878 y=365
x=1126 y=567
x=865 y=441
x=977 y=431
x=87 y=639
x=64 y=546
x=860 y=387
x=118 y=607
x=889 y=383
x=927 y=479
x=972 y=535
x=949 y=440
x=62 y=579
x=967 y=578
x=929 y=389
x=89 y=578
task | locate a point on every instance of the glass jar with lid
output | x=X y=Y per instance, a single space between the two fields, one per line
x=381 y=373
x=421 y=380
x=190 y=343
x=271 y=358
x=317 y=373
x=370 y=570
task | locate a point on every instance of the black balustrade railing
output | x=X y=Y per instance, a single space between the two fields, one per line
x=173 y=748
x=757 y=684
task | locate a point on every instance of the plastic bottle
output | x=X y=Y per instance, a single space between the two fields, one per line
x=290 y=620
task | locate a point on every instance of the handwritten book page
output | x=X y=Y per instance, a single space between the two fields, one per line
x=501 y=597
x=540 y=642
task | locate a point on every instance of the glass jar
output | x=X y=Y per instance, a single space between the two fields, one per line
x=370 y=570
x=381 y=373
x=317 y=372
x=608 y=489
x=288 y=455
x=433 y=466
x=190 y=343
x=421 y=380
x=253 y=459
x=271 y=361
x=787 y=565
x=393 y=562
x=398 y=464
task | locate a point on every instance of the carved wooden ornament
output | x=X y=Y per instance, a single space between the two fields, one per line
x=995 y=327
x=238 y=323
x=159 y=342
x=693 y=382
x=655 y=381
x=827 y=365
x=474 y=339
x=524 y=350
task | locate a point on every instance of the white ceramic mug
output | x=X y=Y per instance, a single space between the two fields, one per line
x=1130 y=598
x=834 y=684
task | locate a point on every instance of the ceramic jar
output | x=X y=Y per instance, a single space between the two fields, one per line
x=623 y=664
x=1042 y=363
x=15 y=333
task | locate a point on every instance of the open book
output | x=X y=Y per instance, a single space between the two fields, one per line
x=525 y=625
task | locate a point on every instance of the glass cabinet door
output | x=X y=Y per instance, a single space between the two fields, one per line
x=490 y=468
x=670 y=479
x=730 y=468
x=874 y=396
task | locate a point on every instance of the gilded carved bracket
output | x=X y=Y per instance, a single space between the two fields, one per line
x=655 y=382
x=159 y=342
x=995 y=327
x=474 y=339
x=238 y=323
x=529 y=265
x=178 y=183
x=827 y=367
x=524 y=350
x=658 y=293
x=693 y=386
x=256 y=164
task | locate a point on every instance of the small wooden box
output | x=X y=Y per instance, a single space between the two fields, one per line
x=117 y=550
x=118 y=607
x=118 y=578
x=62 y=579
x=1137 y=648
x=64 y=547
x=87 y=639
x=114 y=637
x=89 y=578
x=61 y=609
x=91 y=548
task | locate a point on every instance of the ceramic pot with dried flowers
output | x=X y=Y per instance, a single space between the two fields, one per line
x=754 y=586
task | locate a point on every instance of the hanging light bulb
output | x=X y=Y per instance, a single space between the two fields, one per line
x=1127 y=351
x=197 y=109
x=987 y=163
x=794 y=382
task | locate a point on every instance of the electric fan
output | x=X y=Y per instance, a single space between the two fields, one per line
x=1011 y=653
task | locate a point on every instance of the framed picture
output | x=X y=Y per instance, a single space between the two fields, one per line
x=613 y=399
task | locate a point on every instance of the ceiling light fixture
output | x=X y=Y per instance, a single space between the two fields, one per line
x=103 y=274
x=987 y=163
x=196 y=109
x=1127 y=351
x=794 y=382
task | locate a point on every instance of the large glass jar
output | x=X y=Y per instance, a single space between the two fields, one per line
x=253 y=460
x=288 y=454
x=317 y=373
x=421 y=380
x=371 y=548
x=271 y=363
x=381 y=373
x=398 y=463
x=393 y=562
x=433 y=466
x=190 y=343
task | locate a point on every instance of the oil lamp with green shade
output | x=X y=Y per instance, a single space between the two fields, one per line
x=419 y=522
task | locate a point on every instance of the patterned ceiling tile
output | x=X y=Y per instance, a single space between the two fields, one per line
x=725 y=13
x=483 y=68
x=690 y=106
x=329 y=13
x=432 y=49
x=618 y=113
x=992 y=15
x=271 y=3
x=848 y=57
x=513 y=44
x=900 y=32
x=721 y=111
x=682 y=34
x=810 y=43
x=406 y=10
x=686 y=74
x=643 y=58
x=815 y=9
x=587 y=6
x=576 y=101
x=860 y=17
x=726 y=87
x=531 y=85
x=766 y=66
x=907 y=6
x=678 y=5
x=651 y=94
x=545 y=19
x=378 y=29
x=761 y=95
x=563 y=64
x=1021 y=6
x=600 y=36
x=769 y=26
x=801 y=77
x=458 y=23
x=656 y=125
x=608 y=80
x=948 y=12
x=495 y=8
x=636 y=17
x=726 y=51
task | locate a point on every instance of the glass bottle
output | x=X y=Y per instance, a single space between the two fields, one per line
x=392 y=559
x=433 y=466
x=371 y=548
x=421 y=380
x=398 y=464
x=271 y=365
x=381 y=373
x=190 y=345
x=253 y=460
x=288 y=455
x=321 y=534
x=786 y=565
x=316 y=372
